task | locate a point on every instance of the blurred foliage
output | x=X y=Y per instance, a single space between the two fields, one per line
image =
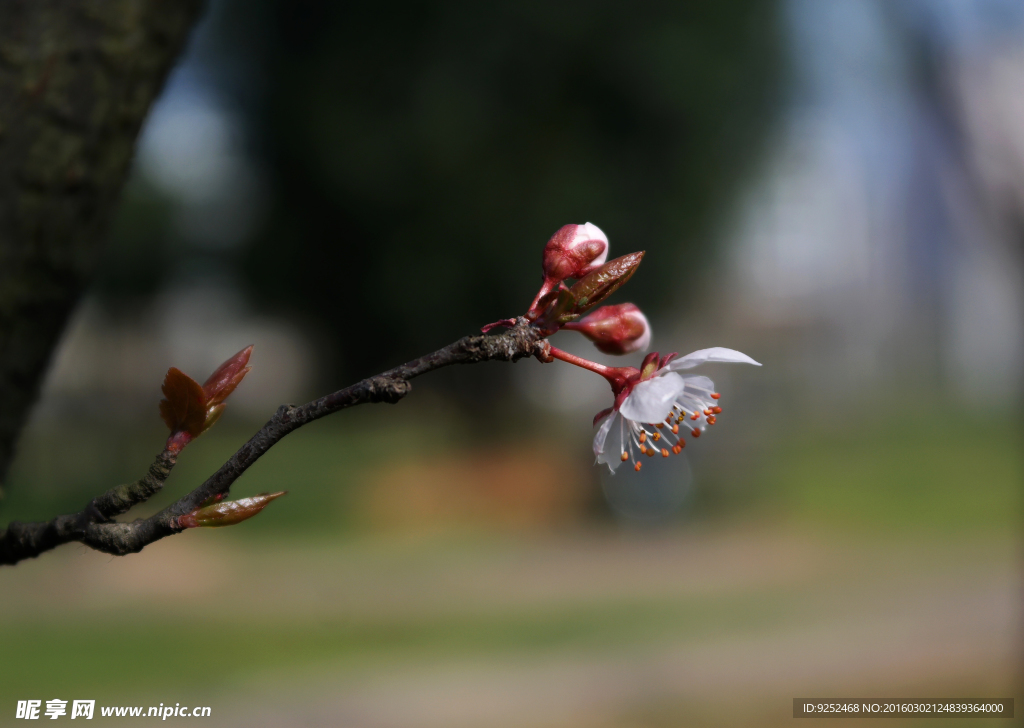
x=419 y=154
x=904 y=477
x=898 y=512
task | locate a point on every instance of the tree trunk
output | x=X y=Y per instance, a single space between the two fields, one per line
x=77 y=78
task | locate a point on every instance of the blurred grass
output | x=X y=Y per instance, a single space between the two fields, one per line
x=909 y=471
x=236 y=646
x=897 y=510
x=902 y=473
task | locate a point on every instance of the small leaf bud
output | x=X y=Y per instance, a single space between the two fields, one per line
x=228 y=376
x=190 y=410
x=596 y=286
x=227 y=513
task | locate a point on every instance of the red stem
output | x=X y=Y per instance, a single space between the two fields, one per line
x=579 y=361
x=546 y=287
x=618 y=377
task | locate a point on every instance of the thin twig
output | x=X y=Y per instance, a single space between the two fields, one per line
x=93 y=525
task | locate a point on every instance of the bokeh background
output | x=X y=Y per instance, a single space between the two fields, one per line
x=835 y=188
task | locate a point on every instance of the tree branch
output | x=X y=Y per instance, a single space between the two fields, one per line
x=93 y=525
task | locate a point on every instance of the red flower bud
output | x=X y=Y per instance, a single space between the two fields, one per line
x=227 y=513
x=572 y=252
x=620 y=329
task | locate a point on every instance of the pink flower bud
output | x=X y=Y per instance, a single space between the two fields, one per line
x=620 y=329
x=574 y=251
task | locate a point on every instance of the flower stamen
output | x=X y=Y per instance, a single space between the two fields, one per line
x=648 y=399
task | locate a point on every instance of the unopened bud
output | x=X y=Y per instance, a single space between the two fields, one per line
x=228 y=376
x=620 y=329
x=227 y=513
x=574 y=251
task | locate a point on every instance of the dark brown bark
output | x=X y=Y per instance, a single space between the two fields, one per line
x=93 y=526
x=77 y=78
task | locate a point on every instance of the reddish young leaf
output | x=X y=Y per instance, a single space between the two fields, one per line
x=184 y=407
x=228 y=376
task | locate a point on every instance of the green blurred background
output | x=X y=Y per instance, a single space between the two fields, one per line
x=829 y=187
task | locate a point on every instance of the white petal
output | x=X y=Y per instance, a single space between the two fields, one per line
x=714 y=354
x=651 y=401
x=609 y=451
x=590 y=231
x=602 y=434
x=699 y=386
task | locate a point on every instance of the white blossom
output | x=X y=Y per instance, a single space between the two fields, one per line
x=659 y=410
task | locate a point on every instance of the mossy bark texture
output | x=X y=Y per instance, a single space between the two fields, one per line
x=77 y=78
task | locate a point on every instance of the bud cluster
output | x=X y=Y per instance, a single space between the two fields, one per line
x=652 y=404
x=579 y=253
